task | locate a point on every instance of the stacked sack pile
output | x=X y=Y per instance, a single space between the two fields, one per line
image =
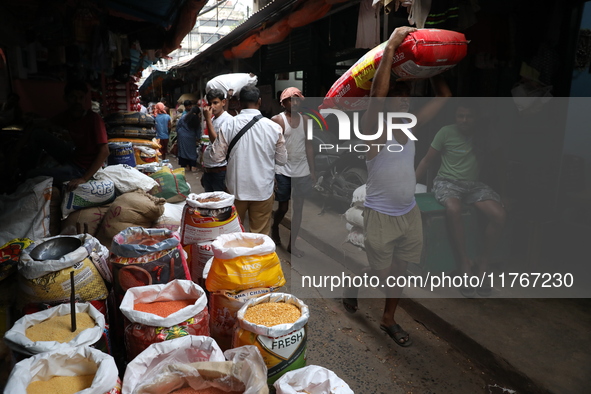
x=131 y=138
x=121 y=96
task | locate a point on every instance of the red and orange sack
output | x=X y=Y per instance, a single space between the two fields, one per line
x=423 y=54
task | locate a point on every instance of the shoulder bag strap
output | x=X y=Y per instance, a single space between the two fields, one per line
x=241 y=133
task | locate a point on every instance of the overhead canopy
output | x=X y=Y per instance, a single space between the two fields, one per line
x=158 y=25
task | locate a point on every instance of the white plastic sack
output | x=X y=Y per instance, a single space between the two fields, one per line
x=359 y=196
x=420 y=188
x=313 y=380
x=172 y=216
x=225 y=200
x=91 y=247
x=18 y=341
x=245 y=371
x=156 y=357
x=70 y=361
x=278 y=330
x=178 y=289
x=230 y=246
x=356 y=236
x=93 y=193
x=25 y=213
x=235 y=82
x=354 y=215
x=126 y=178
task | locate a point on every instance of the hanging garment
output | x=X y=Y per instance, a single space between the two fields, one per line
x=418 y=12
x=368 y=25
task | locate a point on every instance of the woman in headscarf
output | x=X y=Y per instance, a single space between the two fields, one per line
x=188 y=131
x=163 y=125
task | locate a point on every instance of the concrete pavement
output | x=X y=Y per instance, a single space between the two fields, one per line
x=356 y=349
x=533 y=345
x=460 y=345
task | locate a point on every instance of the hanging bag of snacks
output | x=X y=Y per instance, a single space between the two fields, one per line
x=50 y=329
x=159 y=313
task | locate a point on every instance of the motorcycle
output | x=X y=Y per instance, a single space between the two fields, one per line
x=339 y=169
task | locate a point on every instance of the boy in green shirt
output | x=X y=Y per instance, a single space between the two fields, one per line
x=457 y=181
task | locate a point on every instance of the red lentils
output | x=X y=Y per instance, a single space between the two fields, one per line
x=61 y=385
x=163 y=308
x=59 y=328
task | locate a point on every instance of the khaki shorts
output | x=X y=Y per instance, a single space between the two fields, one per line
x=392 y=236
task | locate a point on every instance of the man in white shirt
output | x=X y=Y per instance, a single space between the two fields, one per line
x=251 y=163
x=214 y=177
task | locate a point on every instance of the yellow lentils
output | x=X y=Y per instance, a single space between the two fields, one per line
x=59 y=328
x=272 y=313
x=61 y=385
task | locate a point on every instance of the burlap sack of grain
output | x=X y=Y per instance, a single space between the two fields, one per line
x=86 y=220
x=48 y=281
x=133 y=209
x=282 y=346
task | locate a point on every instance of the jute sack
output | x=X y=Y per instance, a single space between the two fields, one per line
x=133 y=209
x=87 y=220
x=283 y=346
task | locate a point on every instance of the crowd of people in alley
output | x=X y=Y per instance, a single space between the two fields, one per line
x=261 y=160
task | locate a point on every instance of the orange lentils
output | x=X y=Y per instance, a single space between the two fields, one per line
x=163 y=308
x=270 y=314
x=61 y=385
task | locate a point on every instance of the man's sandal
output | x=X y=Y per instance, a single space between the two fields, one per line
x=350 y=305
x=399 y=336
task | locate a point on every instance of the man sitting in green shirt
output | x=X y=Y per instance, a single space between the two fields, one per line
x=460 y=148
